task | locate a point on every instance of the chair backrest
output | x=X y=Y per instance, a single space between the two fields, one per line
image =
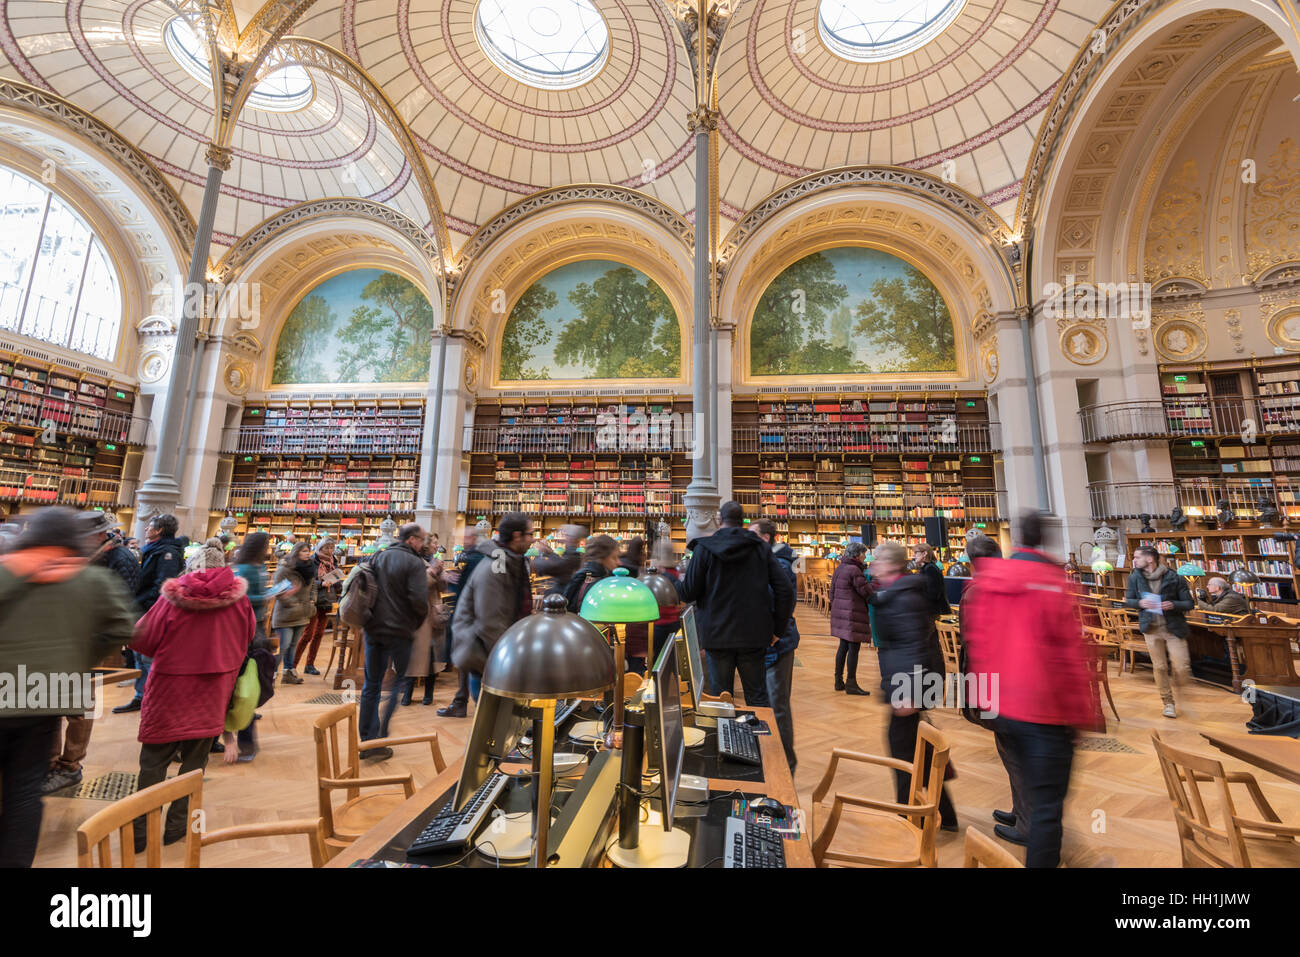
x=982 y=850
x=927 y=785
x=632 y=683
x=950 y=642
x=1118 y=622
x=1204 y=844
x=335 y=759
x=96 y=832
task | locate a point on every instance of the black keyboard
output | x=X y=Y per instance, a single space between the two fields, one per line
x=562 y=713
x=453 y=830
x=752 y=845
x=737 y=743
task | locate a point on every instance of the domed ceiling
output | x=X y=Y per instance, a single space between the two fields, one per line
x=507 y=97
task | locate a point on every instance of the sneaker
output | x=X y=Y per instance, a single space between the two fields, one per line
x=132 y=705
x=377 y=754
x=57 y=780
x=1169 y=711
x=310 y=670
x=290 y=677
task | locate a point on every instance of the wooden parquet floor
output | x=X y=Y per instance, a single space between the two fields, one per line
x=1117 y=814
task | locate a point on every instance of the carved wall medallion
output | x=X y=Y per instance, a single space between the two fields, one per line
x=471 y=376
x=989 y=362
x=1180 y=339
x=1084 y=343
x=153 y=365
x=1284 y=329
x=239 y=375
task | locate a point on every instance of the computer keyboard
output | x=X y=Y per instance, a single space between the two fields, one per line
x=452 y=830
x=736 y=743
x=562 y=713
x=752 y=845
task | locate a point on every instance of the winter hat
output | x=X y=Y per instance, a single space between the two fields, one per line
x=208 y=555
x=483 y=531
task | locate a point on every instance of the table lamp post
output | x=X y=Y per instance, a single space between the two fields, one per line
x=1191 y=572
x=619 y=600
x=547 y=657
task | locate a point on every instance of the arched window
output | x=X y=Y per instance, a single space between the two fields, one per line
x=57 y=284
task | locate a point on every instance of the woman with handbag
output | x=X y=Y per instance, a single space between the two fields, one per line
x=329 y=587
x=295 y=607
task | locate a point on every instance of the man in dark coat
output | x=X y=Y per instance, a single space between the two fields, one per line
x=780 y=657
x=559 y=568
x=162 y=557
x=729 y=578
x=1161 y=621
x=401 y=605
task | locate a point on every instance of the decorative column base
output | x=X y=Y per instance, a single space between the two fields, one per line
x=432 y=520
x=158 y=496
x=701 y=513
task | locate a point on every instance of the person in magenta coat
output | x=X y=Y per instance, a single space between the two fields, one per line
x=197 y=635
x=850 y=619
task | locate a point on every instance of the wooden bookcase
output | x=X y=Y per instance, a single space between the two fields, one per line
x=64 y=436
x=822 y=466
x=617 y=464
x=313 y=468
x=1218 y=552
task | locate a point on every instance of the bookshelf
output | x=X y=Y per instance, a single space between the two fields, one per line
x=617 y=464
x=65 y=436
x=822 y=466
x=313 y=468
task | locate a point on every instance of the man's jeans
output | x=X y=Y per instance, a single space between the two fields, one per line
x=780 y=680
x=750 y=662
x=1045 y=753
x=377 y=659
x=142 y=662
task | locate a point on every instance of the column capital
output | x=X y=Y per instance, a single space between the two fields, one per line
x=218 y=156
x=703 y=119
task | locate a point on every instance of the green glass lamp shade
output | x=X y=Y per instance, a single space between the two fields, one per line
x=619 y=599
x=1194 y=571
x=550 y=654
x=1243 y=576
x=1101 y=567
x=1173 y=549
x=532 y=552
x=866 y=556
x=665 y=591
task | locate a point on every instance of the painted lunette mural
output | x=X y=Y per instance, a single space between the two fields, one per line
x=366 y=325
x=851 y=310
x=593 y=319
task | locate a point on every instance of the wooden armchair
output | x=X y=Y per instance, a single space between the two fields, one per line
x=1123 y=630
x=96 y=832
x=911 y=826
x=1233 y=843
x=982 y=851
x=338 y=768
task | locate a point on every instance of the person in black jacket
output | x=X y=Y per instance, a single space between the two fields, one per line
x=1161 y=621
x=729 y=578
x=560 y=568
x=470 y=556
x=932 y=575
x=600 y=560
x=910 y=657
x=162 y=557
x=780 y=657
x=401 y=605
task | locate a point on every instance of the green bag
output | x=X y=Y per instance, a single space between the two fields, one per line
x=243 y=702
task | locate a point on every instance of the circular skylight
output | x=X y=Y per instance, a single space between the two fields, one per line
x=869 y=31
x=283 y=91
x=553 y=44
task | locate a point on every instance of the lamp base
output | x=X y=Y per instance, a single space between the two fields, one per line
x=587 y=732
x=693 y=737
x=508 y=837
x=655 y=848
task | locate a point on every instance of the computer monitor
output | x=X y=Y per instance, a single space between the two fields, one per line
x=668 y=728
x=499 y=723
x=689 y=649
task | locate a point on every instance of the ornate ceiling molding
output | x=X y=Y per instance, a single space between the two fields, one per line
x=53 y=108
x=619 y=196
x=314 y=54
x=952 y=198
x=238 y=256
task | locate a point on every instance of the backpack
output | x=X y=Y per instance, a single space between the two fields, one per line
x=359 y=593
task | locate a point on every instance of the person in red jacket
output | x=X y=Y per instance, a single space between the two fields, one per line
x=1024 y=643
x=197 y=635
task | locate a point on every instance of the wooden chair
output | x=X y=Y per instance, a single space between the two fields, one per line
x=1123 y=630
x=950 y=642
x=347 y=644
x=982 y=851
x=96 y=832
x=632 y=683
x=339 y=769
x=913 y=825
x=1232 y=844
x=1098 y=654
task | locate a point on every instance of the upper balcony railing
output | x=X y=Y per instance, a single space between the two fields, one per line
x=42 y=488
x=653 y=434
x=67 y=416
x=835 y=437
x=1245 y=497
x=287 y=497
x=296 y=440
x=1246 y=417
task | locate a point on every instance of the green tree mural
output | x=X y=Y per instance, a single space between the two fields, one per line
x=525 y=332
x=617 y=319
x=297 y=354
x=792 y=314
x=908 y=315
